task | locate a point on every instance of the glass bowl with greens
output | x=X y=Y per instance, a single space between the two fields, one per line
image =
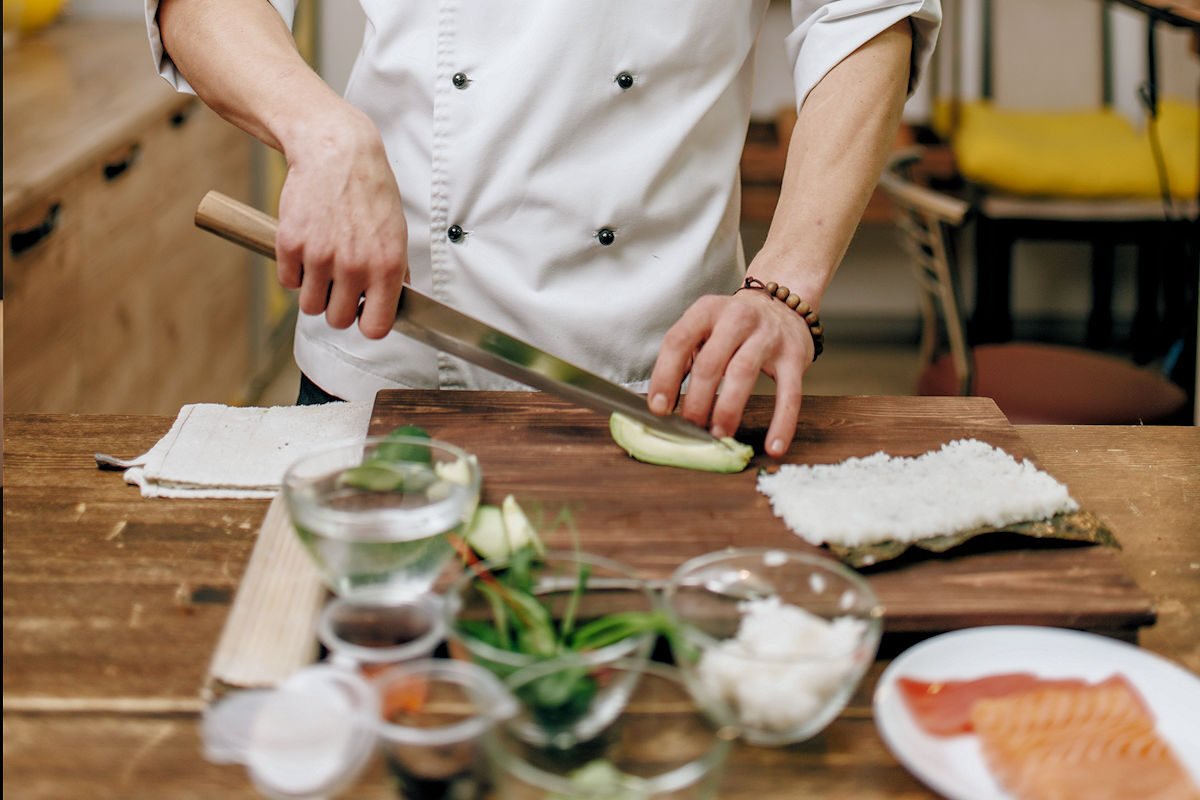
x=376 y=515
x=536 y=606
x=659 y=744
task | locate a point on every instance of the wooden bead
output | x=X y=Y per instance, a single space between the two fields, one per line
x=795 y=303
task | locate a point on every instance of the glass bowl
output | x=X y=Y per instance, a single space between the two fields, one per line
x=374 y=514
x=659 y=744
x=781 y=637
x=472 y=606
x=434 y=714
x=372 y=634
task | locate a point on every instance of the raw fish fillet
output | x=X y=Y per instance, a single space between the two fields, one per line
x=1062 y=742
x=943 y=708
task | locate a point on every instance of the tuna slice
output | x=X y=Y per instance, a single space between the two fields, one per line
x=943 y=708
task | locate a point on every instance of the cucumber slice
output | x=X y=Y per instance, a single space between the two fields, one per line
x=458 y=471
x=520 y=529
x=496 y=532
x=486 y=534
x=726 y=455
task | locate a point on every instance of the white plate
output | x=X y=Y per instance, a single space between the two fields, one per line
x=954 y=767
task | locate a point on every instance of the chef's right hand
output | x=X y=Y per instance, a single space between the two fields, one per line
x=342 y=233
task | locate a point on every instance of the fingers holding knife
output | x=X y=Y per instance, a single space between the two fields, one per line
x=342 y=234
x=345 y=286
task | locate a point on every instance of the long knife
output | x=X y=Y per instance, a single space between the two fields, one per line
x=436 y=324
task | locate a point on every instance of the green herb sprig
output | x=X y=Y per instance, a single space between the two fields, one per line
x=389 y=468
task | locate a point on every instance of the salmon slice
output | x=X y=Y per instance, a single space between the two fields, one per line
x=1097 y=741
x=943 y=708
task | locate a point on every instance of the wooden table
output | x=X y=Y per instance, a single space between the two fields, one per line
x=113 y=605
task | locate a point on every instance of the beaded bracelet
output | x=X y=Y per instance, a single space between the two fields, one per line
x=792 y=301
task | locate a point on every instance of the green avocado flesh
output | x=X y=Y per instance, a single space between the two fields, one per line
x=726 y=455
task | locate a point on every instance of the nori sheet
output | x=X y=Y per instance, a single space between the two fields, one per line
x=1073 y=526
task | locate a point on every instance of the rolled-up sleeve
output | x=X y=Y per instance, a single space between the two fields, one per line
x=826 y=31
x=166 y=67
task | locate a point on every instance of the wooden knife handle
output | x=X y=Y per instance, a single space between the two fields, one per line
x=239 y=223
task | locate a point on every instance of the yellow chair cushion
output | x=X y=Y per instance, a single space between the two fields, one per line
x=31 y=15
x=1080 y=154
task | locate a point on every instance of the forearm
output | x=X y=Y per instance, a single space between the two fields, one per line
x=342 y=238
x=842 y=137
x=241 y=59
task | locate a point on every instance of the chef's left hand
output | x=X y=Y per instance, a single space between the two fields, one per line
x=725 y=342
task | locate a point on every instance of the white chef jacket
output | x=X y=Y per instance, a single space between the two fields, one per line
x=569 y=171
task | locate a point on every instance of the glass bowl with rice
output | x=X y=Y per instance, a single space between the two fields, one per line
x=781 y=637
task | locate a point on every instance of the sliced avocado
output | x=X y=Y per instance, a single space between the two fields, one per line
x=725 y=455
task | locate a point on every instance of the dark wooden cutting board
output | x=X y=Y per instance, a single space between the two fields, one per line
x=549 y=454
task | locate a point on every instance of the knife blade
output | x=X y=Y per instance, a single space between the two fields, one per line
x=436 y=324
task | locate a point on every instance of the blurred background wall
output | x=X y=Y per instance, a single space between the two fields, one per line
x=1047 y=56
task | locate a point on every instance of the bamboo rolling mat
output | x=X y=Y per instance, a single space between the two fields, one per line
x=269 y=633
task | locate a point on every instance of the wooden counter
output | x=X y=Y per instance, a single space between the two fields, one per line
x=113 y=605
x=116 y=303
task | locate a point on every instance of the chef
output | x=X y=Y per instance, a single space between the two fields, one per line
x=564 y=171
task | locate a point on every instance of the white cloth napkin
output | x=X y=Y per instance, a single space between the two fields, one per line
x=214 y=450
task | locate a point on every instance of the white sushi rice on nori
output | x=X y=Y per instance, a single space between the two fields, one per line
x=967 y=484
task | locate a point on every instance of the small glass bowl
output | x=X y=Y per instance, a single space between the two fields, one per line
x=611 y=587
x=781 y=637
x=658 y=744
x=372 y=634
x=373 y=514
x=434 y=714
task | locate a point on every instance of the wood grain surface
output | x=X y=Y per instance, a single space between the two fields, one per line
x=71 y=94
x=1145 y=483
x=104 y=590
x=113 y=605
x=550 y=454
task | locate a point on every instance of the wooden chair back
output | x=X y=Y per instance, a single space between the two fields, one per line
x=927 y=220
x=1031 y=382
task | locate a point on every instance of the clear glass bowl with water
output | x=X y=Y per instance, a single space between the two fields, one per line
x=376 y=514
